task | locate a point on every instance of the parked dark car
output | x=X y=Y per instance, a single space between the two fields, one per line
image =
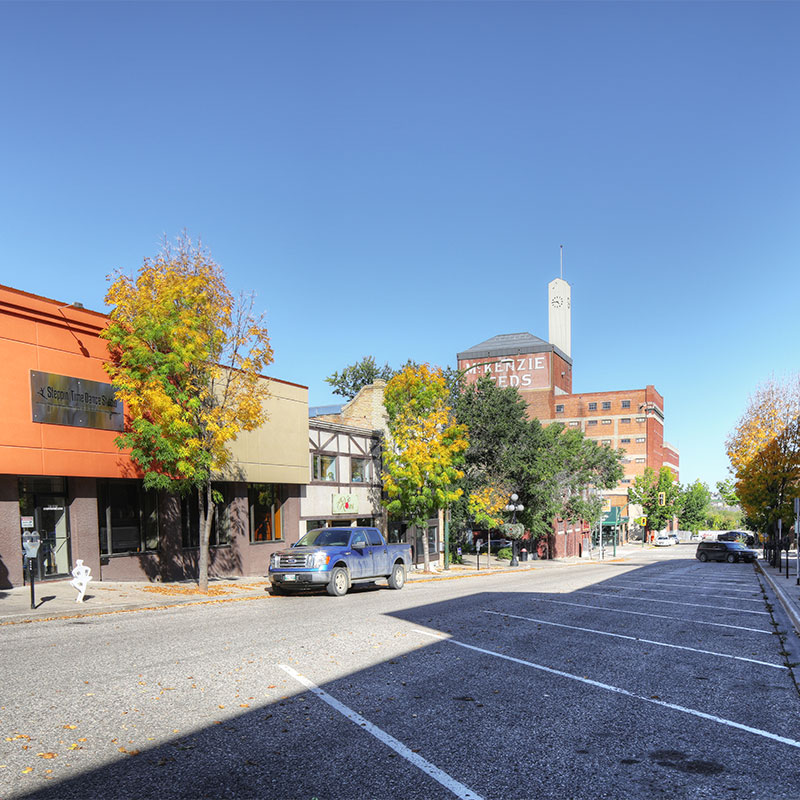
x=724 y=551
x=737 y=536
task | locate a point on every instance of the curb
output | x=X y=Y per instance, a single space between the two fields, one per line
x=789 y=606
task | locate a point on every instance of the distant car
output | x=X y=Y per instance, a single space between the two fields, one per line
x=674 y=537
x=737 y=536
x=724 y=551
x=662 y=540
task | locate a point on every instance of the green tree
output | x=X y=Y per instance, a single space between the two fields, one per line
x=185 y=358
x=355 y=377
x=694 y=505
x=727 y=491
x=424 y=449
x=645 y=491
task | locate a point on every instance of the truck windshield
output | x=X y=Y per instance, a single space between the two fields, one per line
x=322 y=537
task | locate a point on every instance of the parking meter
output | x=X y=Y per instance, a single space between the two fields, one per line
x=31 y=543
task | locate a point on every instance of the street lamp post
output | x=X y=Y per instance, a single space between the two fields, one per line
x=513 y=507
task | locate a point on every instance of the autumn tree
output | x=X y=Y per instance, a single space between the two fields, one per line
x=424 y=448
x=764 y=451
x=645 y=491
x=185 y=358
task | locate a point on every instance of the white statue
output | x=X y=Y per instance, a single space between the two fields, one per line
x=81 y=576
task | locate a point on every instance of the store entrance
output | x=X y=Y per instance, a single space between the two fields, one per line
x=51 y=520
x=43 y=508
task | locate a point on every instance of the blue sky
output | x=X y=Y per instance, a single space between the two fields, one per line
x=395 y=179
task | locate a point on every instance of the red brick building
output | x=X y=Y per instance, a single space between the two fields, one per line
x=626 y=419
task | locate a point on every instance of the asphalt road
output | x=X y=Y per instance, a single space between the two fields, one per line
x=661 y=678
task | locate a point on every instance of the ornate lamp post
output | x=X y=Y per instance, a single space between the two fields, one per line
x=513 y=507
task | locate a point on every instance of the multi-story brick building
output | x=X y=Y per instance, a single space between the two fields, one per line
x=631 y=419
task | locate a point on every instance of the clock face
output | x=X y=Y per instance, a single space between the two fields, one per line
x=557 y=302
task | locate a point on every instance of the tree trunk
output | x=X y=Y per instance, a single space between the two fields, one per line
x=425 y=548
x=206 y=518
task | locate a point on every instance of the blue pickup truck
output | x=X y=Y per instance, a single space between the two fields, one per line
x=337 y=558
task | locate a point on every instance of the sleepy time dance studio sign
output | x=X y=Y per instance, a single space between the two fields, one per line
x=62 y=400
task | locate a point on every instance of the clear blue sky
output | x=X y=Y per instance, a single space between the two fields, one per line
x=395 y=179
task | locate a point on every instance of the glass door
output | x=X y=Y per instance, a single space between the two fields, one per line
x=52 y=522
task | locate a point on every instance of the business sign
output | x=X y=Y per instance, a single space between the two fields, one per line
x=524 y=371
x=62 y=400
x=345 y=504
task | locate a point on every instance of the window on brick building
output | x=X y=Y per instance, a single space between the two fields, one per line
x=626 y=480
x=641 y=439
x=624 y=441
x=606 y=422
x=640 y=419
x=606 y=441
x=574 y=424
x=625 y=420
x=640 y=460
x=626 y=403
x=606 y=405
x=592 y=422
x=592 y=406
x=559 y=409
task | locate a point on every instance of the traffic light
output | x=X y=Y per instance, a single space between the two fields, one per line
x=662 y=498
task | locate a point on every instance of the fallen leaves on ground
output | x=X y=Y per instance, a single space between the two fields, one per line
x=174 y=590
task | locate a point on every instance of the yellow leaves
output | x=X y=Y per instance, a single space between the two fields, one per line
x=47 y=755
x=27 y=770
x=486 y=504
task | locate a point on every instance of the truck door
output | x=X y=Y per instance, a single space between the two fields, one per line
x=380 y=552
x=361 y=556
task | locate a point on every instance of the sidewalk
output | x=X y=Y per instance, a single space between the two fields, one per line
x=57 y=599
x=787 y=590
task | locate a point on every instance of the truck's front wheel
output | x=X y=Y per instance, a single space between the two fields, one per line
x=397 y=579
x=339 y=583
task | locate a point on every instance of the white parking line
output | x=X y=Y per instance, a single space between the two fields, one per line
x=690 y=586
x=637 y=639
x=672 y=591
x=617 y=690
x=657 y=616
x=671 y=602
x=452 y=785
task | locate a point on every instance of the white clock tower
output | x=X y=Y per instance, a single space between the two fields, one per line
x=559 y=304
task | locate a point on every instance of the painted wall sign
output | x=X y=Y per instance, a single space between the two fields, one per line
x=62 y=400
x=345 y=504
x=530 y=371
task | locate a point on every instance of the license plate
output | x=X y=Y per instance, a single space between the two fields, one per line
x=290 y=577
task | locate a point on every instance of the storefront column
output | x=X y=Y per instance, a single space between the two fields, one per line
x=10 y=534
x=84 y=524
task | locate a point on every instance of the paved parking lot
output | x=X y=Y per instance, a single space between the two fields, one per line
x=656 y=677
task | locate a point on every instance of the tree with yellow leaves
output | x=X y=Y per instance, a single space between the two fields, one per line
x=764 y=451
x=424 y=448
x=186 y=359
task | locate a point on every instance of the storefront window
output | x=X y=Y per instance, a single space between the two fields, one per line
x=359 y=470
x=127 y=516
x=266 y=519
x=323 y=467
x=313 y=524
x=220 y=524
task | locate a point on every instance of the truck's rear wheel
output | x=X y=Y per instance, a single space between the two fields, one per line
x=339 y=582
x=397 y=578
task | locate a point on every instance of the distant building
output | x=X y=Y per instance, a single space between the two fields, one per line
x=627 y=419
